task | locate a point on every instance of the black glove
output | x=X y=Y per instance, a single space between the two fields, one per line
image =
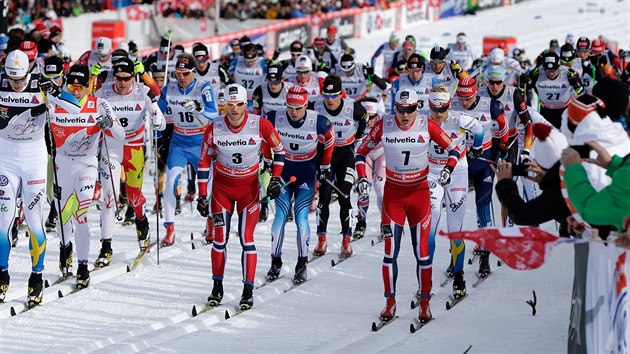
x=445 y=175
x=49 y=87
x=475 y=152
x=324 y=173
x=363 y=187
x=267 y=166
x=202 y=206
x=524 y=156
x=521 y=107
x=368 y=70
x=105 y=122
x=274 y=189
x=573 y=79
x=477 y=63
x=524 y=80
x=602 y=60
x=276 y=54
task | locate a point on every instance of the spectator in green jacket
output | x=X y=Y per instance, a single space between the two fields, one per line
x=610 y=205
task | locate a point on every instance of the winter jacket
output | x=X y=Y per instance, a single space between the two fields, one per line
x=610 y=205
x=549 y=205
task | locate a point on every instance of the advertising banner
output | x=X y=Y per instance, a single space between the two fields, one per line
x=286 y=36
x=378 y=22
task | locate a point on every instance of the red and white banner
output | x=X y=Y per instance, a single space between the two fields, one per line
x=136 y=13
x=518 y=247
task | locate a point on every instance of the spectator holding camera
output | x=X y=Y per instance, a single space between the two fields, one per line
x=549 y=205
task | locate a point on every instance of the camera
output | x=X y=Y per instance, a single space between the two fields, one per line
x=520 y=170
x=583 y=150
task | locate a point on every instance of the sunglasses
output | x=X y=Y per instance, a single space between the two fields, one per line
x=235 y=104
x=406 y=108
x=439 y=109
x=438 y=61
x=73 y=87
x=123 y=78
x=331 y=96
x=294 y=108
x=302 y=71
x=183 y=73
x=53 y=77
x=492 y=82
x=467 y=98
x=202 y=60
x=17 y=81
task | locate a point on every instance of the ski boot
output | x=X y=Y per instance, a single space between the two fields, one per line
x=459 y=286
x=359 y=231
x=450 y=271
x=51 y=221
x=247 y=299
x=83 y=276
x=262 y=217
x=484 y=264
x=65 y=260
x=274 y=271
x=35 y=290
x=390 y=309
x=129 y=216
x=425 y=309
x=106 y=253
x=142 y=232
x=320 y=250
x=170 y=235
x=346 y=248
x=4 y=284
x=217 y=293
x=300 y=271
x=208 y=233
x=178 y=205
x=14 y=233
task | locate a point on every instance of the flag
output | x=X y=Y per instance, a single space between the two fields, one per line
x=518 y=247
x=136 y=13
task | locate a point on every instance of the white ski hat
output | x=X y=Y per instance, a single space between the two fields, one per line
x=16 y=64
x=235 y=93
x=548 y=145
x=406 y=97
x=303 y=62
x=103 y=46
x=496 y=56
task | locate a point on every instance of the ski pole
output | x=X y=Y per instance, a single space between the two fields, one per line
x=486 y=160
x=168 y=55
x=157 y=191
x=111 y=178
x=336 y=188
x=283 y=186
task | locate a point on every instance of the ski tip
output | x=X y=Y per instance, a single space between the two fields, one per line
x=12 y=311
x=227 y=315
x=192 y=237
x=412 y=328
x=192 y=245
x=413 y=304
x=372 y=243
x=59 y=294
x=332 y=262
x=469 y=260
x=448 y=306
x=499 y=263
x=128 y=269
x=194 y=311
x=46 y=283
x=374 y=328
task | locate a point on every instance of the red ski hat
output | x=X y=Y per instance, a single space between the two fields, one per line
x=29 y=48
x=597 y=46
x=466 y=88
x=297 y=96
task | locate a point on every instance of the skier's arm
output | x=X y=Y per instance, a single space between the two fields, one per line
x=205 y=160
x=373 y=138
x=116 y=131
x=209 y=110
x=361 y=116
x=376 y=55
x=154 y=113
x=439 y=136
x=272 y=140
x=500 y=134
x=474 y=127
x=326 y=137
x=258 y=101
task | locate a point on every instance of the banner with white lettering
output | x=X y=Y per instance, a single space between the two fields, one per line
x=378 y=22
x=415 y=12
x=286 y=36
x=345 y=26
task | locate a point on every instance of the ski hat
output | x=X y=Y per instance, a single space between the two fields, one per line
x=53 y=66
x=439 y=100
x=466 y=87
x=200 y=50
x=438 y=53
x=319 y=42
x=570 y=38
x=614 y=94
x=235 y=93
x=406 y=97
x=393 y=37
x=274 y=73
x=567 y=53
x=245 y=40
x=123 y=65
x=54 y=31
x=581 y=106
x=370 y=107
x=296 y=47
x=331 y=29
x=44 y=46
x=415 y=61
x=78 y=74
x=164 y=45
x=461 y=38
x=29 y=48
x=583 y=43
x=185 y=62
x=548 y=146
x=331 y=85
x=346 y=62
x=496 y=56
x=250 y=52
x=16 y=64
x=118 y=54
x=303 y=62
x=553 y=43
x=408 y=44
x=103 y=46
x=517 y=52
x=597 y=46
x=157 y=71
x=297 y=96
x=550 y=61
x=495 y=73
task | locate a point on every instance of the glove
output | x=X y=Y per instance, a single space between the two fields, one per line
x=363 y=187
x=274 y=189
x=156 y=119
x=276 y=54
x=477 y=63
x=324 y=173
x=96 y=69
x=133 y=48
x=521 y=107
x=475 y=152
x=524 y=156
x=49 y=87
x=445 y=175
x=524 y=80
x=455 y=67
x=192 y=105
x=202 y=206
x=573 y=78
x=138 y=67
x=105 y=122
x=602 y=60
x=368 y=70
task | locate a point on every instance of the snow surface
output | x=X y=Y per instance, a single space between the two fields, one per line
x=149 y=309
